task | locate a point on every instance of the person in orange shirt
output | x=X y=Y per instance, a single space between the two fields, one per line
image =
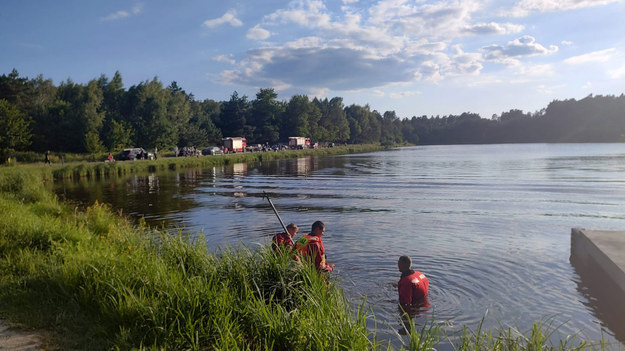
x=310 y=246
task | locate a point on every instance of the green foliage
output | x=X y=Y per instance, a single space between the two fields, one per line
x=333 y=124
x=364 y=124
x=301 y=117
x=15 y=131
x=265 y=116
x=118 y=135
x=102 y=115
x=93 y=144
x=233 y=116
x=23 y=184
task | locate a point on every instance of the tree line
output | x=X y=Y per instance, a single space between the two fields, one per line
x=36 y=115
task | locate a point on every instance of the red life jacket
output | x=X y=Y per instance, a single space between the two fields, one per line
x=412 y=287
x=302 y=246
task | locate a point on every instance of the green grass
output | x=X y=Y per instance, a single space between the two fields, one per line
x=98 y=282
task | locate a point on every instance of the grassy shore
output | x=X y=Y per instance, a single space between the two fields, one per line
x=86 y=167
x=98 y=282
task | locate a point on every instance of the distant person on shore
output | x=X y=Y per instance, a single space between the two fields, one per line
x=47 y=158
x=176 y=150
x=110 y=158
x=155 y=153
x=310 y=246
x=285 y=240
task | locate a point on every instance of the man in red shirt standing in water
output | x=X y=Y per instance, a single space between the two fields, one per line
x=412 y=287
x=310 y=245
x=413 y=290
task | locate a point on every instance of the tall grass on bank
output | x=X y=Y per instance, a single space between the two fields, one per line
x=98 y=282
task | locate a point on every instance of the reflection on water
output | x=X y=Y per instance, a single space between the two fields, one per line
x=488 y=224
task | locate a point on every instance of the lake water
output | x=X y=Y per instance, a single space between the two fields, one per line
x=489 y=225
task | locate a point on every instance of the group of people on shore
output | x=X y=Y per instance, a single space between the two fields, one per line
x=412 y=287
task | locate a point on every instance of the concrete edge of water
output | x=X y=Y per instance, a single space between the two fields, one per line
x=598 y=257
x=603 y=249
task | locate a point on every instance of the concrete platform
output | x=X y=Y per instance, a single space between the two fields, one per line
x=598 y=257
x=605 y=248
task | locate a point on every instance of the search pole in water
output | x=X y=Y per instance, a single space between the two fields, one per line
x=276 y=212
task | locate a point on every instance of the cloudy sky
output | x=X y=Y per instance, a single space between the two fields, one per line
x=416 y=57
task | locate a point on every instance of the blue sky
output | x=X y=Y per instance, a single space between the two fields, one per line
x=414 y=57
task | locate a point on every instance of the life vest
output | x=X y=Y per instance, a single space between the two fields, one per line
x=303 y=243
x=412 y=287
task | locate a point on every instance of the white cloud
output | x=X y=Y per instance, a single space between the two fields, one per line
x=466 y=63
x=378 y=93
x=403 y=94
x=566 y=42
x=495 y=28
x=224 y=58
x=117 y=15
x=525 y=7
x=536 y=71
x=434 y=20
x=531 y=74
x=548 y=90
x=308 y=13
x=520 y=47
x=591 y=57
x=228 y=18
x=481 y=80
x=257 y=33
x=392 y=42
x=124 y=13
x=618 y=73
x=319 y=93
x=319 y=67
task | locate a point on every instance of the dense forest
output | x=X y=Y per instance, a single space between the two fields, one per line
x=36 y=115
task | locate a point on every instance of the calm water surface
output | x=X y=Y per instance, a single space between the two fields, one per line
x=488 y=224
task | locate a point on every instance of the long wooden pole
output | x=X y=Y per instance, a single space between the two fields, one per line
x=276 y=212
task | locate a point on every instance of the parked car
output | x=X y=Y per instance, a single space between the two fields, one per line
x=212 y=150
x=136 y=153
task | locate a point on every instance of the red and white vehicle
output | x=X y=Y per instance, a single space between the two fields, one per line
x=299 y=143
x=234 y=144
